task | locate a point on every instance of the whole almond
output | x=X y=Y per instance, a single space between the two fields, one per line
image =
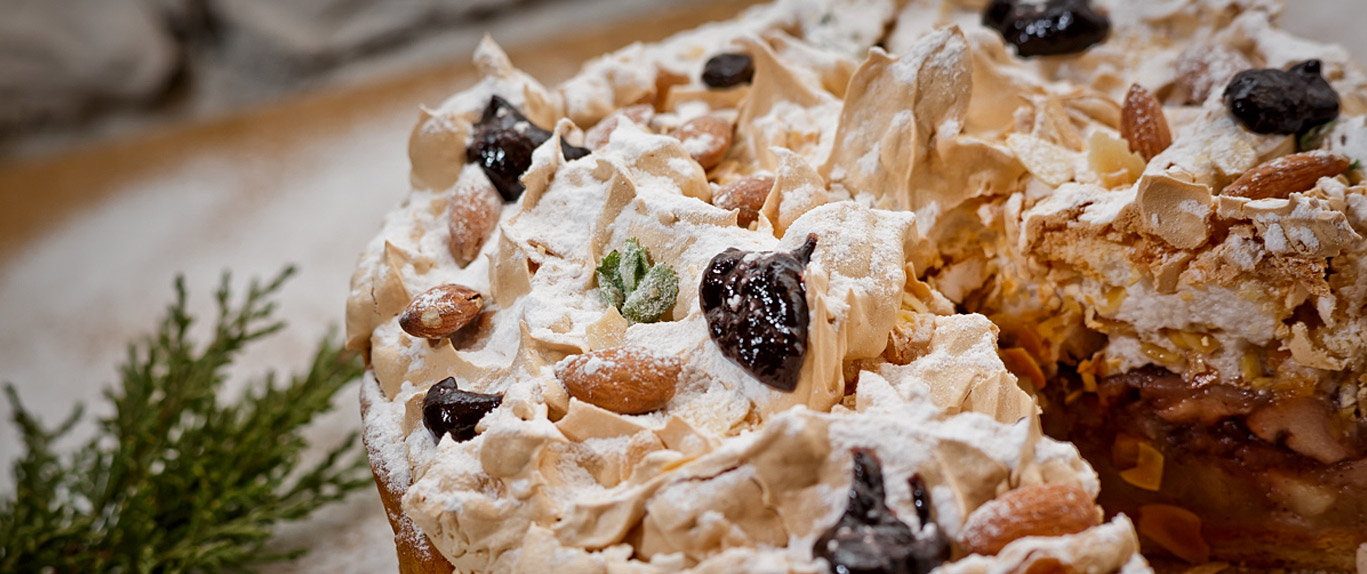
x=1286 y=175
x=1143 y=124
x=706 y=138
x=441 y=311
x=746 y=194
x=1039 y=510
x=626 y=380
x=597 y=136
x=475 y=208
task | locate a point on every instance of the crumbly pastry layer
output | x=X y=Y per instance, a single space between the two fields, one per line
x=936 y=172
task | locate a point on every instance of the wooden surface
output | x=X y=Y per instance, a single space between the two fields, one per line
x=40 y=194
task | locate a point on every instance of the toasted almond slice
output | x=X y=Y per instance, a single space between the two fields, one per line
x=1143 y=124
x=1175 y=529
x=1288 y=174
x=1021 y=364
x=441 y=311
x=1039 y=510
x=626 y=380
x=1147 y=472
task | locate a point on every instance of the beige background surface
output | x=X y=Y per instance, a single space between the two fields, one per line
x=90 y=241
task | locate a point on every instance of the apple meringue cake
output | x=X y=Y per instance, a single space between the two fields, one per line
x=790 y=292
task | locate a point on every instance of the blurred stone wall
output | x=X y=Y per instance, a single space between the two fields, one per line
x=62 y=60
x=76 y=71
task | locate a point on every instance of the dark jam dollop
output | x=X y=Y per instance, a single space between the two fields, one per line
x=449 y=410
x=502 y=145
x=727 y=70
x=1052 y=28
x=869 y=539
x=756 y=309
x=1272 y=101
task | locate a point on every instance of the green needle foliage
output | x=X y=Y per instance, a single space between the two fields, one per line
x=177 y=480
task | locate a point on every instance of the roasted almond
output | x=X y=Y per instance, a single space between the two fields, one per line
x=475 y=208
x=746 y=194
x=706 y=138
x=441 y=311
x=597 y=136
x=627 y=380
x=1288 y=174
x=1040 y=510
x=1143 y=124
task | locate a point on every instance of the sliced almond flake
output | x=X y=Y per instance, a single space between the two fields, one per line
x=1050 y=163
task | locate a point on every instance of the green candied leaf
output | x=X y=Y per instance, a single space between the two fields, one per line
x=634 y=266
x=609 y=280
x=1313 y=138
x=654 y=295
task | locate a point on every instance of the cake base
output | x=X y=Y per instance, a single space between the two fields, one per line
x=415 y=551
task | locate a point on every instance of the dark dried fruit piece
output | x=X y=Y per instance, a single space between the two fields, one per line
x=503 y=142
x=868 y=538
x=1050 y=28
x=1271 y=101
x=449 y=410
x=727 y=70
x=932 y=545
x=756 y=308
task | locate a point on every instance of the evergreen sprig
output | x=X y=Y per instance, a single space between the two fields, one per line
x=176 y=479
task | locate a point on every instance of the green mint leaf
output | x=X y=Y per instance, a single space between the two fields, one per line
x=635 y=263
x=610 y=280
x=654 y=295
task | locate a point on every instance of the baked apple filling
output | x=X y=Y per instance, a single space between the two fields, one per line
x=1266 y=475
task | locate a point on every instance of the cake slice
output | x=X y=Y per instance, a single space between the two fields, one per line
x=1180 y=273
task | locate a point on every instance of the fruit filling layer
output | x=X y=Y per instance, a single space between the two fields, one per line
x=1267 y=476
